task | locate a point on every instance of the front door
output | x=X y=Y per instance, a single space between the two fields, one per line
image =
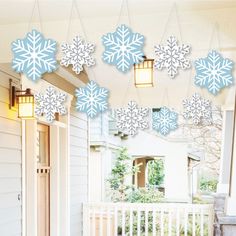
x=43 y=180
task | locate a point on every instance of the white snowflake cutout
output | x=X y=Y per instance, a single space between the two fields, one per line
x=213 y=72
x=91 y=99
x=49 y=103
x=123 y=48
x=198 y=109
x=172 y=56
x=164 y=121
x=34 y=55
x=77 y=54
x=132 y=118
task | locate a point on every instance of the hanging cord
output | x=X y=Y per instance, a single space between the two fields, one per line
x=172 y=10
x=36 y=4
x=215 y=32
x=124 y=3
x=189 y=83
x=165 y=97
x=74 y=5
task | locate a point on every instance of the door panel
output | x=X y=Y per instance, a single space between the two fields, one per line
x=43 y=180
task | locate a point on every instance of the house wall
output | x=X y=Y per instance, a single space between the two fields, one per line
x=10 y=164
x=78 y=169
x=175 y=161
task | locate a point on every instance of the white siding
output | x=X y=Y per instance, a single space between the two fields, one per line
x=10 y=164
x=78 y=169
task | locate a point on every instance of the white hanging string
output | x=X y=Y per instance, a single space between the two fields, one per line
x=124 y=3
x=215 y=32
x=165 y=97
x=75 y=6
x=189 y=82
x=172 y=10
x=36 y=5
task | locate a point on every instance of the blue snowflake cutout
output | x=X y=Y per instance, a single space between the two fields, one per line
x=91 y=99
x=213 y=72
x=34 y=55
x=123 y=48
x=164 y=121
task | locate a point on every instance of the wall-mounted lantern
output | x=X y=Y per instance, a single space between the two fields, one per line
x=25 y=101
x=143 y=73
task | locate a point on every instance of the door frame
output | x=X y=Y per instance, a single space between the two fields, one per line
x=59 y=174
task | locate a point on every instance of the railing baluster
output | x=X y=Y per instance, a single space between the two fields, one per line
x=93 y=222
x=194 y=221
x=101 y=221
x=123 y=221
x=131 y=221
x=115 y=221
x=146 y=222
x=185 y=222
x=169 y=223
x=138 y=224
x=108 y=222
x=202 y=223
x=154 y=222
x=177 y=221
x=162 y=222
x=210 y=221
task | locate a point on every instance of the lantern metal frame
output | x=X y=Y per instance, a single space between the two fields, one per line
x=140 y=66
x=17 y=94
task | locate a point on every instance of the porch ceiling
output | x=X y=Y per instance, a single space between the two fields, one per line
x=148 y=17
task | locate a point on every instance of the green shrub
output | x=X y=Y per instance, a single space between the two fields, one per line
x=208 y=185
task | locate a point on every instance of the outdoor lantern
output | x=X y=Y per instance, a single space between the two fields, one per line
x=143 y=73
x=25 y=101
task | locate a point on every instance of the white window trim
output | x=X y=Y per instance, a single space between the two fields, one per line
x=60 y=173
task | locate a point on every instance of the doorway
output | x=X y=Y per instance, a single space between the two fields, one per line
x=43 y=180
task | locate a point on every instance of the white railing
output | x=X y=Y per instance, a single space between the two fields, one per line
x=131 y=219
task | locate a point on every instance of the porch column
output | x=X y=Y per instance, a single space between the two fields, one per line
x=226 y=149
x=230 y=208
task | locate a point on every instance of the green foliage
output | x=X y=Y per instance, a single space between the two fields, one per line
x=145 y=195
x=156 y=172
x=207 y=185
x=122 y=169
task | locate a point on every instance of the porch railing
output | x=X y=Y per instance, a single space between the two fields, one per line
x=131 y=219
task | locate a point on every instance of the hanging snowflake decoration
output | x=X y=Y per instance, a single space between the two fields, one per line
x=92 y=99
x=172 y=57
x=34 y=55
x=50 y=103
x=197 y=108
x=131 y=119
x=214 y=72
x=164 y=121
x=77 y=54
x=123 y=48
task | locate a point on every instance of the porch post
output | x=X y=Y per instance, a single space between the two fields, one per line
x=230 y=208
x=226 y=149
x=31 y=176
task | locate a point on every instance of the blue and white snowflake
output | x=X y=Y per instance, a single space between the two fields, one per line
x=34 y=55
x=123 y=48
x=50 y=103
x=132 y=118
x=214 y=72
x=77 y=54
x=164 y=121
x=91 y=99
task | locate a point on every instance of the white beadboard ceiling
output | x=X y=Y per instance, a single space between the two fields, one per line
x=148 y=17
